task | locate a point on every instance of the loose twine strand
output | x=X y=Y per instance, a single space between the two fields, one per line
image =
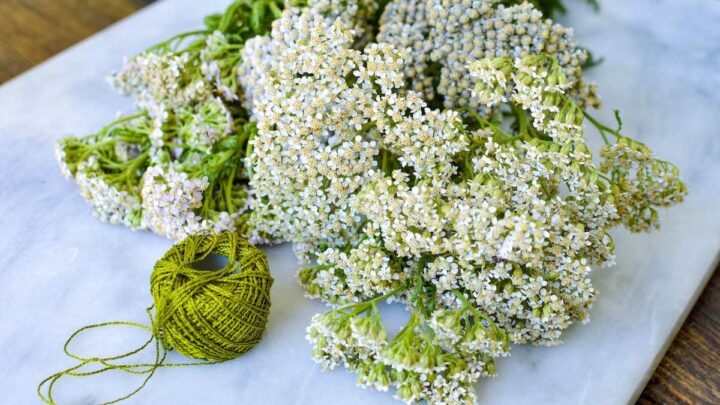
x=212 y=316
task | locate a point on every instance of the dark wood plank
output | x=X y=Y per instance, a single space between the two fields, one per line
x=690 y=371
x=34 y=30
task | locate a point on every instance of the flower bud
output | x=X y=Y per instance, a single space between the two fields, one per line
x=489 y=367
x=547 y=311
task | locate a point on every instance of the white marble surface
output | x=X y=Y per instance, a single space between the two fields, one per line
x=61 y=269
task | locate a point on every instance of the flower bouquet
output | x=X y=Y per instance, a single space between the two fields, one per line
x=427 y=152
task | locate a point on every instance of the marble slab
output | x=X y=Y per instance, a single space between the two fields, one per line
x=61 y=269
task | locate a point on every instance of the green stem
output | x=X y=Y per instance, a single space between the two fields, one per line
x=385 y=161
x=484 y=123
x=472 y=308
x=180 y=146
x=136 y=163
x=602 y=128
x=522 y=119
x=468 y=171
x=602 y=176
x=166 y=44
x=366 y=128
x=104 y=130
x=206 y=200
x=228 y=190
x=480 y=120
x=227 y=17
x=373 y=301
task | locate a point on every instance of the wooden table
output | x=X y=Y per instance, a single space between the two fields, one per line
x=34 y=30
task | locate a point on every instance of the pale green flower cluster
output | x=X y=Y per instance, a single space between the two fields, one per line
x=444 y=36
x=138 y=170
x=177 y=167
x=440 y=363
x=641 y=183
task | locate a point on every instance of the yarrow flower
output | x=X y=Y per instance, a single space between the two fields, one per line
x=107 y=166
x=176 y=176
x=426 y=152
x=535 y=83
x=317 y=132
x=205 y=124
x=496 y=230
x=176 y=205
x=446 y=35
x=177 y=167
x=641 y=183
x=414 y=361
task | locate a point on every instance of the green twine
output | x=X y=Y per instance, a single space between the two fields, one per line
x=212 y=316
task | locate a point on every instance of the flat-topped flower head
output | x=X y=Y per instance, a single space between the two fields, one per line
x=158 y=81
x=324 y=114
x=444 y=36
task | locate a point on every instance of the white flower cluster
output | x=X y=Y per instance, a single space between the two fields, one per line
x=488 y=236
x=425 y=140
x=505 y=236
x=446 y=35
x=316 y=142
x=358 y=274
x=256 y=63
x=157 y=80
x=170 y=200
x=112 y=203
x=257 y=54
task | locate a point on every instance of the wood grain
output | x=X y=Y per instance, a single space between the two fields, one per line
x=34 y=30
x=690 y=371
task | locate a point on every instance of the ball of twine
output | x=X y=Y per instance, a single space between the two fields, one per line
x=211 y=314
